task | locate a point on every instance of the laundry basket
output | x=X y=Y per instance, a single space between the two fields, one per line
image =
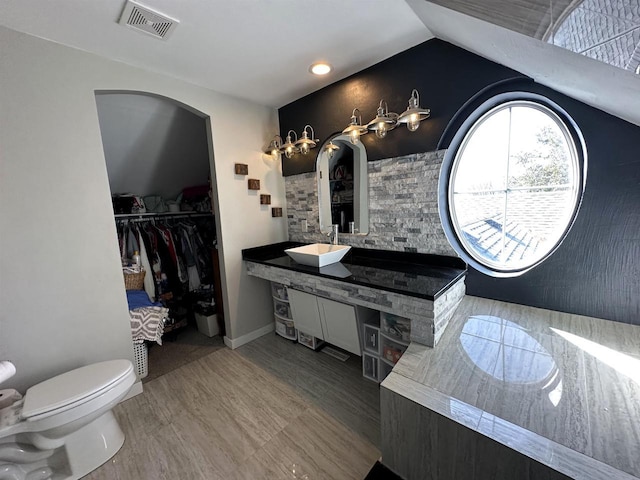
x=141 y=357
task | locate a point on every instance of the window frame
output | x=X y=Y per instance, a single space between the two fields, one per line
x=473 y=121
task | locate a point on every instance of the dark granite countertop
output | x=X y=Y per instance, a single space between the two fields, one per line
x=414 y=274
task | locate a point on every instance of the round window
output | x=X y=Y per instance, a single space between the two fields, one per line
x=514 y=187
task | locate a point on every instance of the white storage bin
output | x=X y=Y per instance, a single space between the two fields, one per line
x=285 y=328
x=309 y=340
x=207 y=325
x=395 y=326
x=141 y=357
x=281 y=308
x=370 y=367
x=279 y=291
x=392 y=349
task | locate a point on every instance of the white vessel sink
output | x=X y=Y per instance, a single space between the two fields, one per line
x=318 y=254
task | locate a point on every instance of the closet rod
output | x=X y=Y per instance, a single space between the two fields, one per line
x=153 y=216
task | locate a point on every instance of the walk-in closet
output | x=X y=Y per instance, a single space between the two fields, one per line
x=157 y=158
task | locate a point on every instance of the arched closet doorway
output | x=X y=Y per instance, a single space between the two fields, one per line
x=159 y=159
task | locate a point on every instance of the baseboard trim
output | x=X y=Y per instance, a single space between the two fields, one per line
x=234 y=343
x=136 y=389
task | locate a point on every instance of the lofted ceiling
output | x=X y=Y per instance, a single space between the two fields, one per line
x=261 y=50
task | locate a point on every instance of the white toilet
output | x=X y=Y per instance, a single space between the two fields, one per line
x=64 y=428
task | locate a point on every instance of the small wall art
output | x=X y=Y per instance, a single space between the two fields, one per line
x=242 y=169
x=254 y=184
x=265 y=199
x=276 y=212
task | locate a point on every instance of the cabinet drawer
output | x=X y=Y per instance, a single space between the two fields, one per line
x=371 y=339
x=309 y=340
x=370 y=367
x=285 y=328
x=281 y=308
x=279 y=291
x=392 y=349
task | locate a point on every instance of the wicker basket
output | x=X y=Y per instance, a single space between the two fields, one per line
x=134 y=281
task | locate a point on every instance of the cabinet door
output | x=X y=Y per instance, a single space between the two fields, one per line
x=306 y=315
x=340 y=325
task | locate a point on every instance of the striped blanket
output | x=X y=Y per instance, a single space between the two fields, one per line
x=147 y=323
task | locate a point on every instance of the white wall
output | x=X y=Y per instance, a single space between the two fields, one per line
x=152 y=145
x=62 y=300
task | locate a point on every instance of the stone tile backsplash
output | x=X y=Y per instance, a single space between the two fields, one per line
x=403 y=206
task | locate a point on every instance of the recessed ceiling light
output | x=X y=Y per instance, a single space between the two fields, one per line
x=320 y=68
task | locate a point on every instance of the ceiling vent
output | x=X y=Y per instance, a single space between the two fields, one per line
x=146 y=20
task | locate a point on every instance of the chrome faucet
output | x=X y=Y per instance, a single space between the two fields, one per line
x=333 y=235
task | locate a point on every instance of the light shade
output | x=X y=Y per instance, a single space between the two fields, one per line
x=355 y=127
x=384 y=121
x=331 y=149
x=414 y=114
x=306 y=143
x=289 y=148
x=274 y=147
x=320 y=68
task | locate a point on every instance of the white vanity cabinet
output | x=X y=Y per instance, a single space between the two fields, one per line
x=334 y=322
x=306 y=316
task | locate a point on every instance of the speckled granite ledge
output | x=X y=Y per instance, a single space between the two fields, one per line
x=407 y=273
x=562 y=389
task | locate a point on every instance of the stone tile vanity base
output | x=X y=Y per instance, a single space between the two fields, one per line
x=429 y=319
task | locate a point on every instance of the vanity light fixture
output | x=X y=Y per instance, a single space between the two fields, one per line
x=355 y=127
x=274 y=148
x=331 y=148
x=414 y=114
x=306 y=143
x=384 y=121
x=320 y=68
x=289 y=148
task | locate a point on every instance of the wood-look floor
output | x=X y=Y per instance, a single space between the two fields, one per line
x=270 y=409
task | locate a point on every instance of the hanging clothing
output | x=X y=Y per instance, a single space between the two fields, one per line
x=149 y=281
x=176 y=255
x=132 y=242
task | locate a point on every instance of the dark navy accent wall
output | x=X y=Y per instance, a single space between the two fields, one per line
x=445 y=76
x=596 y=270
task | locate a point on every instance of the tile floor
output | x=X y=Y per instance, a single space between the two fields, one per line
x=189 y=345
x=268 y=410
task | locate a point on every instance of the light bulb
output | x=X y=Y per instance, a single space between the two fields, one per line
x=381 y=131
x=304 y=148
x=414 y=122
x=274 y=153
x=354 y=136
x=288 y=152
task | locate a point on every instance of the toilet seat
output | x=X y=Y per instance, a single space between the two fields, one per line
x=74 y=388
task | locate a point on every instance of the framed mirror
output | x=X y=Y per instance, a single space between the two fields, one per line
x=343 y=186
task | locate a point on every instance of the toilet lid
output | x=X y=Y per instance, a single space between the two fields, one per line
x=72 y=387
